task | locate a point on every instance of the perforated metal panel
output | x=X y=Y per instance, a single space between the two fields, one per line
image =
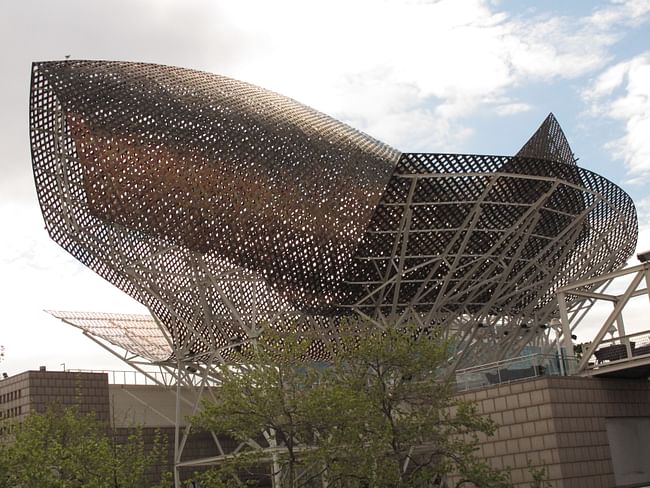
x=201 y=196
x=222 y=206
x=488 y=235
x=548 y=142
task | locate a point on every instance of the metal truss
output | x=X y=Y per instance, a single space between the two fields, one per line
x=484 y=267
x=614 y=290
x=190 y=380
x=220 y=206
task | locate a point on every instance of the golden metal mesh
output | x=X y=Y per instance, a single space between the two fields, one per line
x=220 y=205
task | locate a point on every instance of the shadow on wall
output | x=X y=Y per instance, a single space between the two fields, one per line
x=629 y=443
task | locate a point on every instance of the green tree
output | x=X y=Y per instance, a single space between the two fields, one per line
x=267 y=398
x=64 y=449
x=377 y=415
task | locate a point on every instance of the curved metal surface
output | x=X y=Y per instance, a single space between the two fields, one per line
x=200 y=196
x=488 y=235
x=220 y=206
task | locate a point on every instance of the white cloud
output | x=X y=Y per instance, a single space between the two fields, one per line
x=608 y=81
x=510 y=108
x=367 y=61
x=371 y=62
x=36 y=274
x=643 y=213
x=622 y=93
x=557 y=47
x=626 y=12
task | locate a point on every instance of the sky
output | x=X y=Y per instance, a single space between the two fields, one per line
x=466 y=76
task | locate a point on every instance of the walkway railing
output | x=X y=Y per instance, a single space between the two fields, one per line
x=515 y=369
x=620 y=349
x=131 y=377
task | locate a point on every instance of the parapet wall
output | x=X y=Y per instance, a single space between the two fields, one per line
x=148 y=405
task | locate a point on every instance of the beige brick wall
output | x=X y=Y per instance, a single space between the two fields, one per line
x=14 y=397
x=559 y=423
x=87 y=391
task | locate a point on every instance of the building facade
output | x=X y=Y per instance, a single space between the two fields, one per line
x=124 y=407
x=586 y=432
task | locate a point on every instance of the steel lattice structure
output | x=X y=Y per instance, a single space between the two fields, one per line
x=140 y=335
x=222 y=206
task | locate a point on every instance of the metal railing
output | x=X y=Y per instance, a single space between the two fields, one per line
x=514 y=369
x=116 y=377
x=619 y=349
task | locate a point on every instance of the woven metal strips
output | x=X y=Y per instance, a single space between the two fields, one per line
x=203 y=197
x=548 y=142
x=472 y=234
x=223 y=207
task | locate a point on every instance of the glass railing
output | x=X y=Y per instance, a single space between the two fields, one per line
x=515 y=369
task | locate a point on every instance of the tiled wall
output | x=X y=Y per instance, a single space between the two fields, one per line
x=87 y=391
x=14 y=399
x=559 y=423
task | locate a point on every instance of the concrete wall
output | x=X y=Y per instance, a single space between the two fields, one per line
x=147 y=405
x=562 y=423
x=153 y=408
x=630 y=449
